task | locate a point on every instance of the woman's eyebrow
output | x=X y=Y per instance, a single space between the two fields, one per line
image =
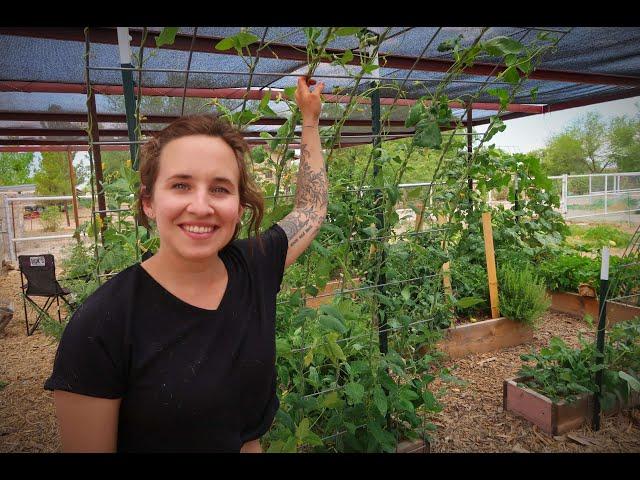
x=181 y=176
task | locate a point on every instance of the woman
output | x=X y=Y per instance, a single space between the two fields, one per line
x=177 y=353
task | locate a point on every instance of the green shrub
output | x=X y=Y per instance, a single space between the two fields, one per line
x=561 y=372
x=522 y=294
x=51 y=218
x=564 y=273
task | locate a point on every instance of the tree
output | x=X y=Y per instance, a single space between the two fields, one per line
x=564 y=154
x=624 y=141
x=15 y=168
x=592 y=133
x=53 y=176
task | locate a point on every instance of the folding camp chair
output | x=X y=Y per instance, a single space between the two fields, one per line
x=40 y=273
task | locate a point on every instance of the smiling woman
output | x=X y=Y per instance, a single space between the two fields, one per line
x=184 y=359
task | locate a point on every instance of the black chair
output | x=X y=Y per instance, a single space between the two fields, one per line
x=40 y=273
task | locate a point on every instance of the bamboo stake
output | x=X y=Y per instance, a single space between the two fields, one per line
x=491 y=263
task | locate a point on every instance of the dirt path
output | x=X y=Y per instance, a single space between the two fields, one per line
x=472 y=421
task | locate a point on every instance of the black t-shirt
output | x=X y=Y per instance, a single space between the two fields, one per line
x=190 y=379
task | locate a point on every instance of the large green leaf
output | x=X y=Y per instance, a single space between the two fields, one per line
x=354 y=392
x=332 y=323
x=428 y=134
x=415 y=114
x=633 y=383
x=167 y=36
x=346 y=31
x=380 y=400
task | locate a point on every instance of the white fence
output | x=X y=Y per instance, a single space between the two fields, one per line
x=615 y=196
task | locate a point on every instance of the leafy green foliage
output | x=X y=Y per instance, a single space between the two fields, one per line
x=561 y=372
x=15 y=168
x=523 y=296
x=51 y=218
x=564 y=273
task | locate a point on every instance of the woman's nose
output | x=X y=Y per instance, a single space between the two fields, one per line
x=200 y=204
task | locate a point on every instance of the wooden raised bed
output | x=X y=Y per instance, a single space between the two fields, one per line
x=579 y=306
x=551 y=417
x=484 y=336
x=413 y=446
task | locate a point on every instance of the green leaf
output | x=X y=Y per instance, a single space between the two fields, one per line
x=245 y=39
x=332 y=400
x=427 y=134
x=308 y=358
x=290 y=92
x=332 y=323
x=385 y=439
x=380 y=400
x=346 y=57
x=354 y=392
x=225 y=44
x=259 y=154
x=167 y=36
x=534 y=94
x=633 y=383
x=406 y=293
x=415 y=114
x=370 y=67
x=511 y=75
x=284 y=418
x=429 y=400
x=502 y=94
x=503 y=46
x=346 y=31
x=467 y=302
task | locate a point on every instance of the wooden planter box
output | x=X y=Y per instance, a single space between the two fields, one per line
x=413 y=446
x=579 y=306
x=552 y=418
x=485 y=336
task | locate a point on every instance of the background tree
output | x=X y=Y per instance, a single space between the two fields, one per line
x=624 y=141
x=15 y=168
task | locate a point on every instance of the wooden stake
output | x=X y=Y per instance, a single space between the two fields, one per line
x=491 y=263
x=446 y=271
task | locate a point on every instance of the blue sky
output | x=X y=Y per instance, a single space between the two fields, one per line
x=529 y=133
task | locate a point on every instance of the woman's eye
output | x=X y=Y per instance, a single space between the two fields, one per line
x=180 y=186
x=220 y=190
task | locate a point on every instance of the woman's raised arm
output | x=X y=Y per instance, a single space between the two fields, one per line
x=310 y=207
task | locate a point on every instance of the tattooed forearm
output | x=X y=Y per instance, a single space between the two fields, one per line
x=310 y=202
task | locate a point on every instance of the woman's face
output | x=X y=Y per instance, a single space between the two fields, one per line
x=195 y=200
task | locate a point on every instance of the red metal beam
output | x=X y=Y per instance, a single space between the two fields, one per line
x=116 y=118
x=229 y=93
x=581 y=102
x=288 y=52
x=58 y=148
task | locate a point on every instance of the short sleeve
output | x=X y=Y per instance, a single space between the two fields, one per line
x=264 y=425
x=89 y=359
x=270 y=259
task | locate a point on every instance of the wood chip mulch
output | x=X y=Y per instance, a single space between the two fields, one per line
x=472 y=419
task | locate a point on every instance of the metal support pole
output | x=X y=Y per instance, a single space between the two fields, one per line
x=378 y=196
x=563 y=202
x=604 y=285
x=516 y=205
x=97 y=159
x=470 y=151
x=590 y=185
x=606 y=196
x=74 y=195
x=8 y=215
x=128 y=90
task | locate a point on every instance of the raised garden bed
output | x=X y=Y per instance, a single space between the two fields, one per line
x=579 y=306
x=553 y=418
x=413 y=446
x=482 y=337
